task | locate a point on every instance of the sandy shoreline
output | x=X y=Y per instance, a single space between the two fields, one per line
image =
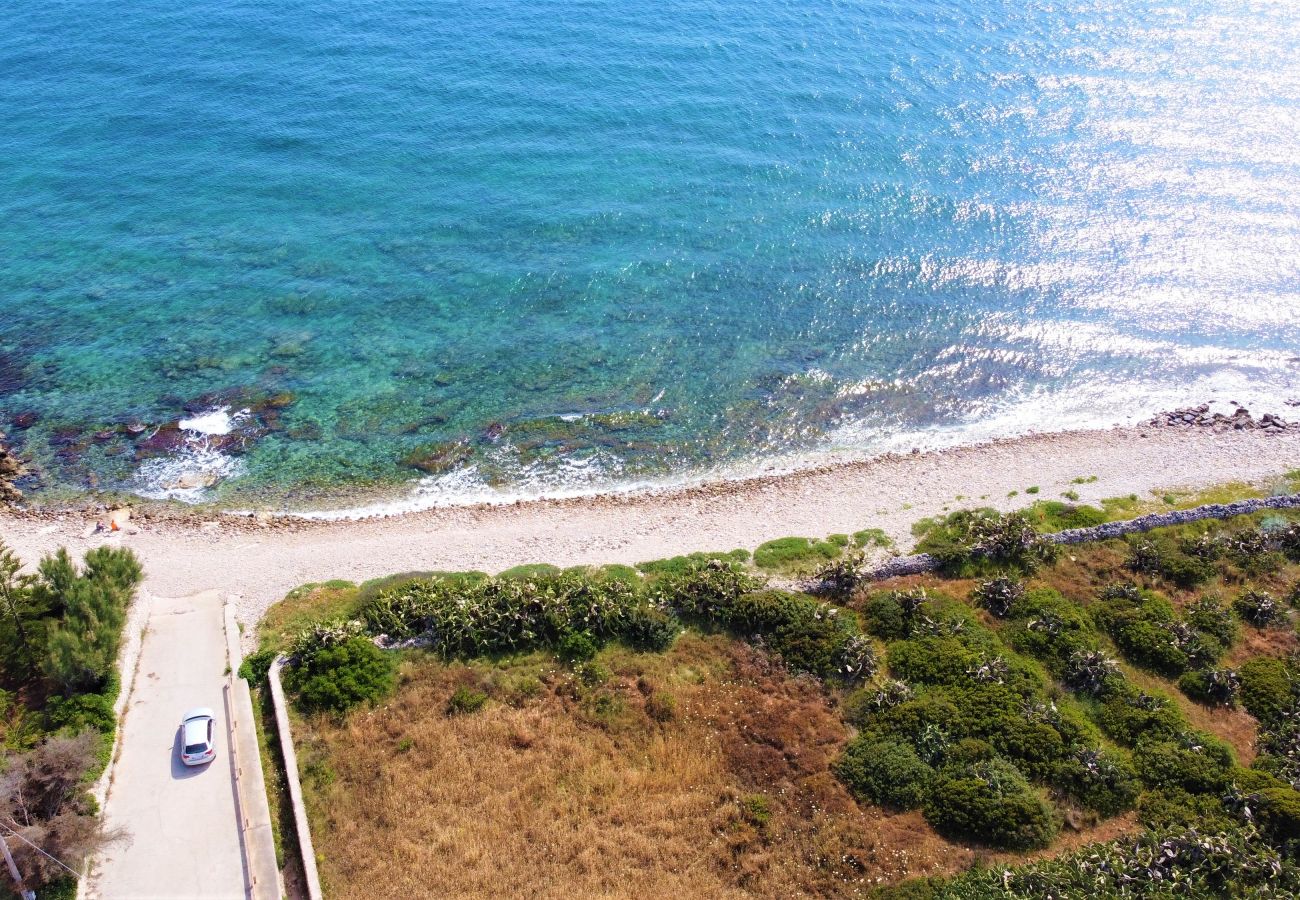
x=257 y=563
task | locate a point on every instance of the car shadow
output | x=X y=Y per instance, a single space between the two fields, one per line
x=181 y=771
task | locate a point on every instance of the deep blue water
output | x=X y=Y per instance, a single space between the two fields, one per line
x=570 y=244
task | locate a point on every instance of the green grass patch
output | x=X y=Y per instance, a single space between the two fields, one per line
x=792 y=552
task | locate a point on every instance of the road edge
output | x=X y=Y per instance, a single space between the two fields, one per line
x=257 y=840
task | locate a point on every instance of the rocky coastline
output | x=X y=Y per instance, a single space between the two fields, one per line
x=11 y=469
x=1240 y=420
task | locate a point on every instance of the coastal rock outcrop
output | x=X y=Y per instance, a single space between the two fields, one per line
x=11 y=468
x=1240 y=420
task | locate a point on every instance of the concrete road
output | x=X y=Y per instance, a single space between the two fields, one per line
x=182 y=821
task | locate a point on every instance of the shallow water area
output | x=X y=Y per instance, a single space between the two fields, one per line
x=443 y=253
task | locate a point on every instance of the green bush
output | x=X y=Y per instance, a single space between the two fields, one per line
x=991 y=803
x=1050 y=628
x=889 y=614
x=684 y=565
x=1267 y=689
x=1213 y=687
x=650 y=628
x=1194 y=762
x=810 y=636
x=1053 y=515
x=1259 y=608
x=885 y=772
x=998 y=595
x=931 y=660
x=465 y=700
x=576 y=647
x=254 y=667
x=972 y=542
x=338 y=678
x=1183 y=862
x=1160 y=555
x=79 y=711
x=469 y=618
x=1145 y=626
x=1100 y=780
x=1127 y=714
x=1277 y=809
x=1209 y=615
x=1169 y=808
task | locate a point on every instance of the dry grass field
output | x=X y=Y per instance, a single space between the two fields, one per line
x=701 y=772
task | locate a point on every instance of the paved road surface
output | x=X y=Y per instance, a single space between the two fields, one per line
x=182 y=821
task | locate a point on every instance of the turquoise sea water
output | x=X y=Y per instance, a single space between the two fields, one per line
x=512 y=247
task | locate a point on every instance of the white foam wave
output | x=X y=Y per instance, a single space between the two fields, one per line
x=197 y=466
x=215 y=422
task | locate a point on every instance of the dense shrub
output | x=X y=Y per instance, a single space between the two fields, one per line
x=1208 y=615
x=338 y=677
x=1186 y=863
x=484 y=616
x=810 y=636
x=933 y=660
x=1168 y=808
x=1090 y=671
x=1160 y=555
x=1255 y=551
x=1053 y=515
x=650 y=627
x=990 y=802
x=885 y=772
x=1194 y=762
x=576 y=647
x=998 y=595
x=78 y=712
x=889 y=614
x=255 y=666
x=1213 y=687
x=1259 y=608
x=1127 y=714
x=1267 y=689
x=1052 y=629
x=841 y=577
x=1100 y=780
x=969 y=542
x=1145 y=626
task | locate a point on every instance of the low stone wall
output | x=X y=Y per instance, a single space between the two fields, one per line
x=301 y=826
x=920 y=563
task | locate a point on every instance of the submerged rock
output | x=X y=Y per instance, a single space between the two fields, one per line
x=437 y=459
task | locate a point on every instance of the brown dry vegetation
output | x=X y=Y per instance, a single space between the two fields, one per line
x=555 y=789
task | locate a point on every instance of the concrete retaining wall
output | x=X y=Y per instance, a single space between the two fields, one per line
x=301 y=825
x=255 y=835
x=923 y=562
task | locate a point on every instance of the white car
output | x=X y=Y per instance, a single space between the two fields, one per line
x=198 y=738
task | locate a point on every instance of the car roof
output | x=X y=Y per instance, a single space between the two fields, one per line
x=196 y=730
x=199 y=712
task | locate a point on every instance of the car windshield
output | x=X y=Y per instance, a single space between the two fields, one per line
x=195 y=748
